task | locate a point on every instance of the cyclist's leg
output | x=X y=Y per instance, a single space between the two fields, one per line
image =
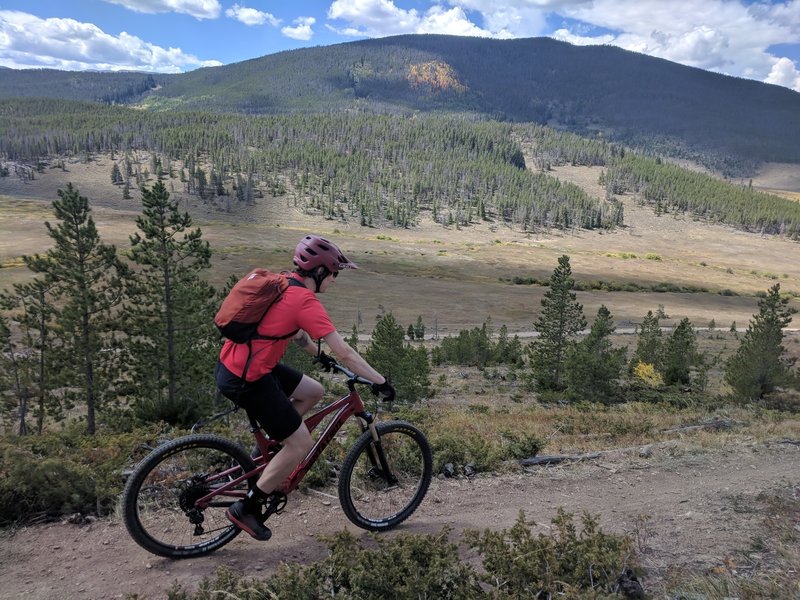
x=304 y=391
x=266 y=401
x=295 y=448
x=307 y=393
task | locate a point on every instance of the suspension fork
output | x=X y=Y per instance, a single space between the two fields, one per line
x=375 y=453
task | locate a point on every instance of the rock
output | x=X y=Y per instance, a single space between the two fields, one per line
x=646 y=451
x=470 y=470
x=449 y=470
x=629 y=585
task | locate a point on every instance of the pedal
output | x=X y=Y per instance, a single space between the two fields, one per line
x=275 y=504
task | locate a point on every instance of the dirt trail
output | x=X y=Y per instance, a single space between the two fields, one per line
x=702 y=506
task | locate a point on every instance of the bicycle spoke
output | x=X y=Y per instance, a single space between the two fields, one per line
x=375 y=499
x=163 y=513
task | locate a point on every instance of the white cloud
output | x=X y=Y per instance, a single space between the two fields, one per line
x=728 y=36
x=26 y=41
x=251 y=16
x=784 y=72
x=379 y=18
x=565 y=35
x=451 y=22
x=200 y=9
x=302 y=29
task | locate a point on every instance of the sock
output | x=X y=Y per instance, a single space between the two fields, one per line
x=255 y=498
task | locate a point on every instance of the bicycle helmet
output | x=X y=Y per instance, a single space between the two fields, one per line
x=314 y=251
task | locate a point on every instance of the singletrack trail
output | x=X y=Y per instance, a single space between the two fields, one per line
x=703 y=506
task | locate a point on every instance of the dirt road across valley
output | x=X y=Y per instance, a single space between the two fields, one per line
x=702 y=507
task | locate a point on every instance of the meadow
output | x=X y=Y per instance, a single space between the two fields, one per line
x=456 y=278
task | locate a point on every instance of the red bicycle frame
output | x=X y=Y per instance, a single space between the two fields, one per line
x=345 y=407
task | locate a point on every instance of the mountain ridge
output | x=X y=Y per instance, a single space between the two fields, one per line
x=727 y=123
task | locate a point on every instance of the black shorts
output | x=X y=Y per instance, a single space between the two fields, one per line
x=266 y=399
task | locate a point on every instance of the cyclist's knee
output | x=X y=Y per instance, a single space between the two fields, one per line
x=309 y=390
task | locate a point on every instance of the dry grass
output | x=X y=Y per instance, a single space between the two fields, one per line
x=452 y=278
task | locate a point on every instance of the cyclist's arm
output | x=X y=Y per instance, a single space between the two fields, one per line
x=303 y=340
x=350 y=358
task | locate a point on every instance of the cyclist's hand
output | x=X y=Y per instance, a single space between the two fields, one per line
x=326 y=361
x=384 y=390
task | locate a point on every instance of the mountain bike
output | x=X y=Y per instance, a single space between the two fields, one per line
x=175 y=500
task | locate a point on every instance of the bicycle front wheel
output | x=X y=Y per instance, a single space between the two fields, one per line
x=166 y=505
x=382 y=483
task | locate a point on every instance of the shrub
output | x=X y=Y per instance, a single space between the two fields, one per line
x=563 y=562
x=516 y=564
x=408 y=566
x=57 y=474
x=40 y=488
x=647 y=374
x=463 y=448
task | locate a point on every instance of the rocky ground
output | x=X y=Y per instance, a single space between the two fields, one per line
x=687 y=508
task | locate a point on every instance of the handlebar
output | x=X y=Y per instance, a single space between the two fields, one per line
x=329 y=364
x=350 y=375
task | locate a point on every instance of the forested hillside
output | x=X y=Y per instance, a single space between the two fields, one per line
x=384 y=170
x=372 y=169
x=728 y=124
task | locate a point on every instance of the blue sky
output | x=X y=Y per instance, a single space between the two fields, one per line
x=756 y=39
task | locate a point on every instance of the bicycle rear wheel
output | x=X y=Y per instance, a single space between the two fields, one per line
x=382 y=483
x=159 y=504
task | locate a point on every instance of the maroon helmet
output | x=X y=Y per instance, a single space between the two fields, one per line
x=314 y=251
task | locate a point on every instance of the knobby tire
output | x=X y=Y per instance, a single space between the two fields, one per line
x=368 y=499
x=158 y=504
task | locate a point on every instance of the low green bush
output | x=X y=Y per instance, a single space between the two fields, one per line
x=464 y=448
x=56 y=474
x=565 y=563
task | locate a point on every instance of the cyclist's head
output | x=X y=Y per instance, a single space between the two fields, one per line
x=317 y=258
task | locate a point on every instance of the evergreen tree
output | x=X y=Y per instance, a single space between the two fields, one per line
x=680 y=355
x=648 y=345
x=759 y=364
x=86 y=276
x=14 y=392
x=169 y=316
x=593 y=365
x=419 y=329
x=352 y=340
x=561 y=318
x=30 y=357
x=406 y=367
x=116 y=174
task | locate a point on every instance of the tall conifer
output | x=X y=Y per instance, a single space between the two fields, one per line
x=561 y=319
x=760 y=364
x=85 y=277
x=169 y=316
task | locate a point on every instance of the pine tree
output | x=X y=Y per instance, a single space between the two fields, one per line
x=169 y=316
x=593 y=366
x=352 y=340
x=116 y=174
x=680 y=355
x=759 y=364
x=14 y=377
x=30 y=356
x=561 y=318
x=648 y=345
x=407 y=367
x=419 y=329
x=86 y=276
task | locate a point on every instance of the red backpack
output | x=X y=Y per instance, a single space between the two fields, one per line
x=248 y=301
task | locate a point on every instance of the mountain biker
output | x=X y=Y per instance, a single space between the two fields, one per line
x=278 y=395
